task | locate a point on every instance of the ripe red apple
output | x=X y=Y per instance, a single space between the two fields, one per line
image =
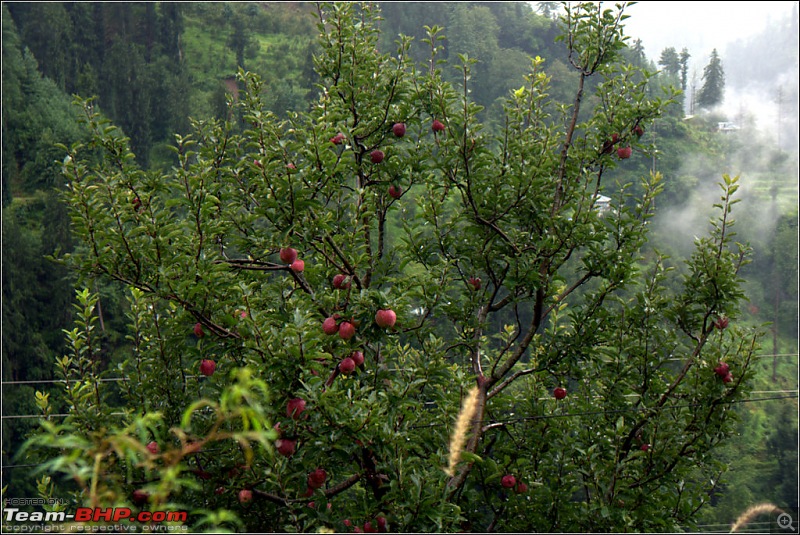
x=207 y=367
x=560 y=392
x=395 y=192
x=298 y=266
x=638 y=130
x=347 y=522
x=337 y=139
x=508 y=481
x=317 y=478
x=369 y=528
x=346 y=330
x=285 y=446
x=381 y=521
x=295 y=407
x=357 y=357
x=399 y=129
x=152 y=447
x=608 y=145
x=329 y=326
x=722 y=369
x=385 y=318
x=245 y=495
x=644 y=447
x=728 y=378
x=288 y=255
x=475 y=282
x=202 y=474
x=721 y=322
x=347 y=365
x=137 y=204
x=341 y=281
x=290 y=166
x=437 y=126
x=624 y=153
x=376 y=156
x=140 y=497
x=198 y=330
x=521 y=488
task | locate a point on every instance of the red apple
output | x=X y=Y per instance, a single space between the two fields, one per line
x=560 y=392
x=521 y=488
x=399 y=129
x=395 y=192
x=341 y=282
x=152 y=447
x=347 y=522
x=285 y=446
x=624 y=153
x=721 y=322
x=385 y=318
x=288 y=255
x=317 y=478
x=245 y=495
x=207 y=367
x=644 y=447
x=508 y=481
x=198 y=330
x=337 y=139
x=298 y=266
x=347 y=365
x=376 y=156
x=357 y=357
x=368 y=528
x=381 y=520
x=295 y=407
x=346 y=330
x=638 y=130
x=728 y=378
x=137 y=204
x=475 y=282
x=329 y=326
x=722 y=369
x=437 y=126
x=140 y=497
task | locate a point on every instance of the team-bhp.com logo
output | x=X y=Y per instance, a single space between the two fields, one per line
x=121 y=518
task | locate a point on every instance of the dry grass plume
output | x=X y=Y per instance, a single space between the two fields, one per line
x=752 y=512
x=459 y=436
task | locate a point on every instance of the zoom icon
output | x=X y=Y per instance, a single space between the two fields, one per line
x=786 y=522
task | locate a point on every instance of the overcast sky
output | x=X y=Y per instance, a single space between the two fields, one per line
x=699 y=26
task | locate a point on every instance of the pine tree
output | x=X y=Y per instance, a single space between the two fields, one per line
x=670 y=61
x=713 y=82
x=684 y=61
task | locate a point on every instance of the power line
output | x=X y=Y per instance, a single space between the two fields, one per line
x=112 y=379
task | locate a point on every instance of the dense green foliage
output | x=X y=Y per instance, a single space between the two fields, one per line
x=153 y=66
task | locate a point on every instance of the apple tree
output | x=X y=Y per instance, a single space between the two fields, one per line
x=376 y=315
